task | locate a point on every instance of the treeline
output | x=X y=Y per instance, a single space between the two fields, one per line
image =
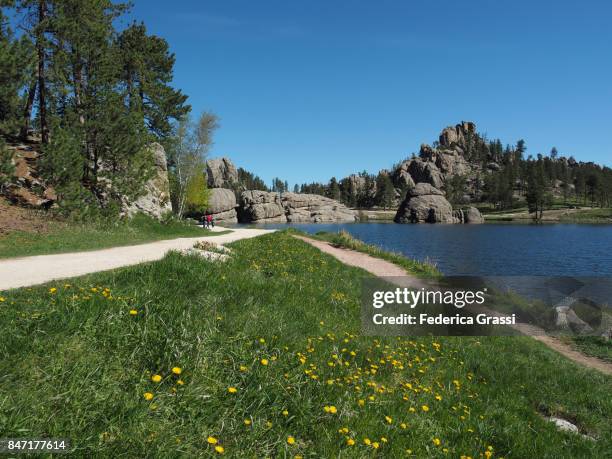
x=94 y=95
x=362 y=190
x=508 y=178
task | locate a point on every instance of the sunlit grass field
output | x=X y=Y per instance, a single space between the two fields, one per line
x=262 y=356
x=73 y=237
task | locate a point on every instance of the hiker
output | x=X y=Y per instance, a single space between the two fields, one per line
x=205 y=221
x=209 y=221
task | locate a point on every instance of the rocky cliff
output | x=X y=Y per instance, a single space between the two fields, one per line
x=221 y=173
x=155 y=201
x=269 y=207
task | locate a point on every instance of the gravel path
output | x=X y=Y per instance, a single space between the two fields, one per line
x=400 y=277
x=27 y=271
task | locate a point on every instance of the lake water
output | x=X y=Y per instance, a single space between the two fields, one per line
x=491 y=249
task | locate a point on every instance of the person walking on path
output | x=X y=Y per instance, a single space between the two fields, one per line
x=209 y=221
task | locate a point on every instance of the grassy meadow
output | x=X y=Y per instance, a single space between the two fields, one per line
x=261 y=356
x=73 y=237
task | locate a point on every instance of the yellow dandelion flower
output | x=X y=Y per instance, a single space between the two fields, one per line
x=247 y=422
x=361 y=402
x=389 y=420
x=2 y=299
x=383 y=439
x=156 y=378
x=52 y=290
x=291 y=440
x=148 y=396
x=436 y=441
x=243 y=368
x=177 y=370
x=488 y=454
x=350 y=441
x=264 y=362
x=403 y=425
x=425 y=408
x=133 y=312
x=285 y=413
x=262 y=341
x=375 y=445
x=232 y=390
x=219 y=449
x=367 y=441
x=438 y=397
x=269 y=424
x=180 y=382
x=212 y=440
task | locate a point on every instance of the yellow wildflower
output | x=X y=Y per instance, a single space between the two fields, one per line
x=291 y=440
x=212 y=440
x=180 y=382
x=243 y=368
x=219 y=449
x=350 y=441
x=148 y=396
x=436 y=441
x=425 y=408
x=264 y=362
x=156 y=378
x=247 y=422
x=232 y=390
x=389 y=420
x=133 y=312
x=177 y=370
x=285 y=413
x=52 y=290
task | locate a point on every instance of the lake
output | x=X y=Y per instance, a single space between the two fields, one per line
x=491 y=249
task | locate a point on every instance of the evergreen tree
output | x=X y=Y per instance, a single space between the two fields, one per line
x=385 y=192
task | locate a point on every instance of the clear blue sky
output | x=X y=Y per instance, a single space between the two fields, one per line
x=311 y=89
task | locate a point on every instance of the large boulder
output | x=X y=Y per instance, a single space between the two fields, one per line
x=471 y=215
x=425 y=204
x=155 y=201
x=456 y=135
x=222 y=205
x=261 y=206
x=313 y=208
x=221 y=173
x=425 y=171
x=266 y=207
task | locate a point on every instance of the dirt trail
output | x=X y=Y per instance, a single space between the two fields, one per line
x=383 y=268
x=27 y=271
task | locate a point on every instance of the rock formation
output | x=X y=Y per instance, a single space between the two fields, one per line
x=469 y=215
x=221 y=173
x=222 y=205
x=27 y=188
x=425 y=204
x=156 y=198
x=437 y=166
x=270 y=207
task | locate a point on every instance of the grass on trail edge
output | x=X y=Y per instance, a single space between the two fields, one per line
x=346 y=240
x=261 y=356
x=81 y=237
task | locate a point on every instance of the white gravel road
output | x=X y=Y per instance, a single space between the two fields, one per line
x=27 y=271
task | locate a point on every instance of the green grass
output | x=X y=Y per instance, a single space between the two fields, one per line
x=345 y=239
x=595 y=346
x=589 y=216
x=79 y=237
x=75 y=363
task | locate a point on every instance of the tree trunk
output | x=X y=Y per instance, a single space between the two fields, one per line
x=27 y=111
x=40 y=49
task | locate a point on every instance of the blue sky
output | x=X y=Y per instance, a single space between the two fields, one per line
x=311 y=89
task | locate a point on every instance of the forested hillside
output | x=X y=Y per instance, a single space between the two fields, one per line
x=89 y=96
x=473 y=169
